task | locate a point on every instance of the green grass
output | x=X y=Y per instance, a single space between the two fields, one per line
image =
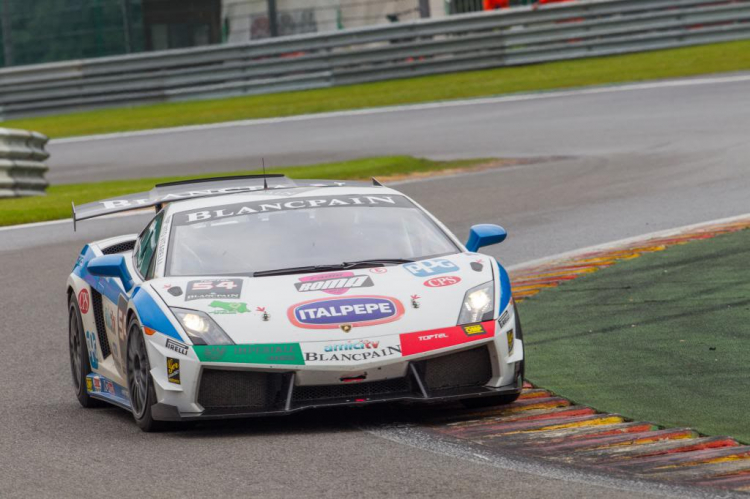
x=689 y=61
x=56 y=204
x=661 y=338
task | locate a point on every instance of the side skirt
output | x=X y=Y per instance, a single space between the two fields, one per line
x=105 y=389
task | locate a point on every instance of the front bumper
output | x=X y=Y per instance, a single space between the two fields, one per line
x=166 y=412
x=231 y=393
x=481 y=365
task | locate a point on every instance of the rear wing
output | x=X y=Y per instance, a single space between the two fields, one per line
x=193 y=189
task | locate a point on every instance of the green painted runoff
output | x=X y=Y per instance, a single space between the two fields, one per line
x=663 y=338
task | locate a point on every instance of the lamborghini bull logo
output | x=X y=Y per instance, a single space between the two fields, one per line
x=223 y=307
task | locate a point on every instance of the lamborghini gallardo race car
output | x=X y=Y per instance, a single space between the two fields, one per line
x=262 y=295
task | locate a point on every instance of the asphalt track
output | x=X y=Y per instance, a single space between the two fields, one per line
x=627 y=163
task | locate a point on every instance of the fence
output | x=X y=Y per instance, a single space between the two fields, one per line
x=465 y=42
x=41 y=31
x=22 y=165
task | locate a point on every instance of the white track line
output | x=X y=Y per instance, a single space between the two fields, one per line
x=626 y=241
x=689 y=82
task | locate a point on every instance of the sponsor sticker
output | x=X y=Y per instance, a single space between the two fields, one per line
x=256 y=207
x=435 y=339
x=210 y=289
x=109 y=387
x=89 y=385
x=353 y=356
x=353 y=345
x=84 y=301
x=428 y=268
x=177 y=346
x=330 y=313
x=173 y=370
x=503 y=319
x=232 y=308
x=91 y=347
x=360 y=350
x=439 y=282
x=281 y=353
x=336 y=283
x=474 y=329
x=510 y=341
x=122 y=315
x=378 y=270
x=97 y=385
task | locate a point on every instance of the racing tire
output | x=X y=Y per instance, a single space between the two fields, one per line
x=506 y=398
x=140 y=383
x=80 y=366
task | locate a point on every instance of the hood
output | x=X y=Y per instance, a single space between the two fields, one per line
x=330 y=306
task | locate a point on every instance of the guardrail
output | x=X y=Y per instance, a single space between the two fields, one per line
x=22 y=165
x=457 y=43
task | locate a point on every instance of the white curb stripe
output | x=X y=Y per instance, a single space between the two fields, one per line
x=623 y=242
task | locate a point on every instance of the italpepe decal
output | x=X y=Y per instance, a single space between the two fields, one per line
x=330 y=313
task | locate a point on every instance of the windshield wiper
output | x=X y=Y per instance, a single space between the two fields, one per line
x=299 y=270
x=376 y=262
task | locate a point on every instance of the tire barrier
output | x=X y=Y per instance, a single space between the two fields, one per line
x=22 y=167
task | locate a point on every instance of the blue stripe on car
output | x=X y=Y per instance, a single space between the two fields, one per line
x=505 y=292
x=152 y=315
x=104 y=285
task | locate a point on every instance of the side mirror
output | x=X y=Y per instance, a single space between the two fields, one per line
x=111 y=266
x=485 y=235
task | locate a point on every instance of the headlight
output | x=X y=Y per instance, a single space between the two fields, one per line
x=201 y=329
x=479 y=304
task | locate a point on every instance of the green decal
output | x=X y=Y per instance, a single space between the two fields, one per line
x=224 y=307
x=273 y=353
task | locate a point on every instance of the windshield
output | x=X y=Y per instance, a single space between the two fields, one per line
x=266 y=235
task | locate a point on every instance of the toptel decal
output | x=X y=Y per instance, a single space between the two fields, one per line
x=329 y=313
x=429 y=268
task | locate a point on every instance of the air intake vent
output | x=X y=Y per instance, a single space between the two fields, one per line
x=468 y=368
x=119 y=248
x=354 y=390
x=101 y=329
x=240 y=391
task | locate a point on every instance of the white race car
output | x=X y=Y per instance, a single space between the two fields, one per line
x=262 y=295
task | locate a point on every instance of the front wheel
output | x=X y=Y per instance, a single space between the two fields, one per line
x=79 y=355
x=140 y=384
x=506 y=398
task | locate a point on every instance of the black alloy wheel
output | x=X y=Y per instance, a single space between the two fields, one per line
x=506 y=398
x=140 y=384
x=79 y=355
